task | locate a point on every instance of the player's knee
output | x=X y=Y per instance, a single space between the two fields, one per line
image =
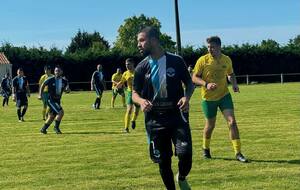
x=231 y=123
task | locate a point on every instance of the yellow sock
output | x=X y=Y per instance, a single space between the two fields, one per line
x=206 y=143
x=127 y=120
x=236 y=144
x=134 y=116
x=112 y=103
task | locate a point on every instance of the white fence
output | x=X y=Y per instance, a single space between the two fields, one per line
x=250 y=79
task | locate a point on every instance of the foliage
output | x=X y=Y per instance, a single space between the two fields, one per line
x=84 y=41
x=127 y=34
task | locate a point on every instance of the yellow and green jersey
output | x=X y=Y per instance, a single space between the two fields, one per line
x=128 y=77
x=214 y=70
x=117 y=78
x=42 y=80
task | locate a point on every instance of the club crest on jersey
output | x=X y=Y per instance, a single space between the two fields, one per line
x=171 y=72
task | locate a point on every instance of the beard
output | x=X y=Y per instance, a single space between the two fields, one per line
x=144 y=52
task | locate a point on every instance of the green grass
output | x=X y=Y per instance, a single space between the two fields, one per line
x=93 y=153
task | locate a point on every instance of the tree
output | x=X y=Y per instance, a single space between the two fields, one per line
x=269 y=44
x=84 y=41
x=127 y=37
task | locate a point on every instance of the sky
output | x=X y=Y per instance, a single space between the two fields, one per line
x=52 y=23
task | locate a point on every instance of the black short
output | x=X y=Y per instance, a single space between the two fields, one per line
x=167 y=129
x=21 y=99
x=99 y=89
x=54 y=106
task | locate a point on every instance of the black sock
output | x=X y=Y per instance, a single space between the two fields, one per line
x=24 y=111
x=184 y=166
x=166 y=173
x=4 y=100
x=57 y=123
x=97 y=103
x=19 y=113
x=45 y=127
x=7 y=101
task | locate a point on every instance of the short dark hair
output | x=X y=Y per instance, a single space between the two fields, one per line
x=47 y=67
x=129 y=60
x=214 y=39
x=59 y=67
x=151 y=32
x=20 y=69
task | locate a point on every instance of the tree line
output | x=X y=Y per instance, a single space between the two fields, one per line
x=86 y=50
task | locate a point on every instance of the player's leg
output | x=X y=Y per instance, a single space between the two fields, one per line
x=228 y=113
x=58 y=119
x=113 y=98
x=127 y=117
x=183 y=148
x=121 y=92
x=48 y=122
x=19 y=106
x=134 y=115
x=210 y=111
x=160 y=149
x=98 y=97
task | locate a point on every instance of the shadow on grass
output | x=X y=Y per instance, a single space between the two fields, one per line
x=261 y=161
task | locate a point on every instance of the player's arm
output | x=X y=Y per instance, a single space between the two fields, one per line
x=27 y=88
x=41 y=90
x=93 y=81
x=121 y=82
x=183 y=103
x=232 y=79
x=67 y=88
x=138 y=82
x=197 y=76
x=14 y=90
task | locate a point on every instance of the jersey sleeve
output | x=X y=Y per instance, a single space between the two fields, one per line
x=229 y=68
x=198 y=69
x=123 y=78
x=138 y=80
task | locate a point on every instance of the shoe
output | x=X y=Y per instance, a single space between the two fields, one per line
x=44 y=131
x=126 y=130
x=22 y=119
x=241 y=158
x=183 y=184
x=133 y=124
x=57 y=130
x=206 y=154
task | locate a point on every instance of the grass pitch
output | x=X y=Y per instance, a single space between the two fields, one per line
x=93 y=153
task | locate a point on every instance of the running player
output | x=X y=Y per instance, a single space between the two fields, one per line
x=56 y=85
x=158 y=90
x=115 y=79
x=98 y=84
x=6 y=89
x=132 y=109
x=47 y=70
x=212 y=72
x=20 y=93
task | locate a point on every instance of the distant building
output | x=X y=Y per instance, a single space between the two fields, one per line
x=5 y=66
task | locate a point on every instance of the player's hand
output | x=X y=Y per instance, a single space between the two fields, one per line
x=235 y=88
x=39 y=97
x=184 y=104
x=92 y=88
x=14 y=97
x=146 y=105
x=211 y=86
x=28 y=95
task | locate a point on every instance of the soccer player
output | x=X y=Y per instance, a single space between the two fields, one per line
x=115 y=79
x=211 y=72
x=157 y=88
x=47 y=70
x=20 y=93
x=132 y=109
x=56 y=85
x=6 y=88
x=98 y=84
